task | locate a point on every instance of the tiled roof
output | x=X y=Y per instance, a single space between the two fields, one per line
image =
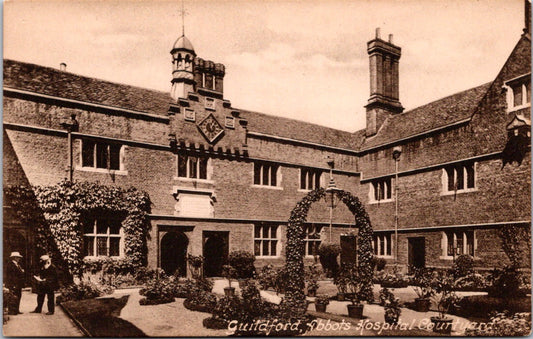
x=50 y=81
x=300 y=130
x=436 y=114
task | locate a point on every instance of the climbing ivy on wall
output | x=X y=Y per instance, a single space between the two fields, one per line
x=55 y=213
x=295 y=296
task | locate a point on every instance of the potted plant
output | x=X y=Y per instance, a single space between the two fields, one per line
x=321 y=302
x=445 y=297
x=354 y=286
x=391 y=304
x=312 y=280
x=229 y=273
x=421 y=283
x=340 y=280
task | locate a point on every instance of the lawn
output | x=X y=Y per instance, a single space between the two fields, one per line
x=100 y=317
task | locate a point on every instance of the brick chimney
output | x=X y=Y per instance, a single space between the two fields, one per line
x=384 y=82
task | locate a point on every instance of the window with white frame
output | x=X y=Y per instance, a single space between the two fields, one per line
x=192 y=167
x=265 y=174
x=96 y=154
x=102 y=237
x=460 y=177
x=382 y=244
x=458 y=242
x=309 y=178
x=519 y=92
x=266 y=240
x=312 y=239
x=381 y=189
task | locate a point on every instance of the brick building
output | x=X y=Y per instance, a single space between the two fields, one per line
x=223 y=178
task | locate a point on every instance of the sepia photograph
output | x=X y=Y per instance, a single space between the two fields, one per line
x=322 y=168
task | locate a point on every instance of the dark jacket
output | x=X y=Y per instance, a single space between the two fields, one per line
x=49 y=275
x=14 y=276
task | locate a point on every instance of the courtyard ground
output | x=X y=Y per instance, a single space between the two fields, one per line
x=39 y=324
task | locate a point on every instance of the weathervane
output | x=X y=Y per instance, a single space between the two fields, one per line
x=182 y=13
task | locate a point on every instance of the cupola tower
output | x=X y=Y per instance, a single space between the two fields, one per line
x=182 y=68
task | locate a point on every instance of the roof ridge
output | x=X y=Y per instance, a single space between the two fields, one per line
x=55 y=70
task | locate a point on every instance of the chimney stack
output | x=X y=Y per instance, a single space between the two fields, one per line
x=384 y=82
x=62 y=67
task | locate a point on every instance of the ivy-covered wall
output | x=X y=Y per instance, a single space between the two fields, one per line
x=55 y=213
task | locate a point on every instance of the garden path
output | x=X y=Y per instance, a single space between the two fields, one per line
x=165 y=320
x=39 y=324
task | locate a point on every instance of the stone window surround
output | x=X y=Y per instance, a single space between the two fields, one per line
x=271 y=165
x=387 y=237
x=122 y=156
x=372 y=190
x=209 y=170
x=508 y=87
x=106 y=235
x=444 y=243
x=307 y=239
x=277 y=238
x=465 y=188
x=313 y=171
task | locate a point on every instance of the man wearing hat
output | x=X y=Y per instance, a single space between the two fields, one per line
x=47 y=284
x=15 y=280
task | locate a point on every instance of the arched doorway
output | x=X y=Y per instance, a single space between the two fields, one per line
x=215 y=253
x=174 y=253
x=14 y=241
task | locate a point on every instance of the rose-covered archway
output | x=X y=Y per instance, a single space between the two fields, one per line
x=295 y=297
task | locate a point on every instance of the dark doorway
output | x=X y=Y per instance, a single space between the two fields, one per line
x=174 y=253
x=417 y=252
x=14 y=241
x=215 y=252
x=348 y=249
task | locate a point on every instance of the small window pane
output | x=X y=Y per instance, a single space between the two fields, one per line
x=88 y=226
x=87 y=153
x=203 y=168
x=388 y=188
x=101 y=155
x=266 y=247
x=101 y=227
x=273 y=232
x=382 y=245
x=257 y=231
x=517 y=93
x=376 y=191
x=114 y=227
x=257 y=247
x=449 y=236
x=101 y=246
x=310 y=180
x=266 y=170
x=193 y=163
x=470 y=182
x=273 y=248
x=460 y=177
x=182 y=166
x=265 y=232
x=317 y=180
x=273 y=174
x=257 y=174
x=389 y=245
x=470 y=243
x=114 y=245
x=460 y=243
x=302 y=179
x=114 y=157
x=451 y=180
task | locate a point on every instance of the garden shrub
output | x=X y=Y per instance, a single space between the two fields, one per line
x=471 y=282
x=504 y=325
x=267 y=277
x=507 y=282
x=85 y=289
x=479 y=305
x=158 y=291
x=282 y=280
x=201 y=301
x=463 y=266
x=378 y=263
x=328 y=254
x=243 y=263
x=391 y=305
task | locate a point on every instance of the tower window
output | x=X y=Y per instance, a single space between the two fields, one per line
x=519 y=92
x=189 y=115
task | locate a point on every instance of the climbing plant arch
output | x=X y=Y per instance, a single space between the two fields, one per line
x=295 y=296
